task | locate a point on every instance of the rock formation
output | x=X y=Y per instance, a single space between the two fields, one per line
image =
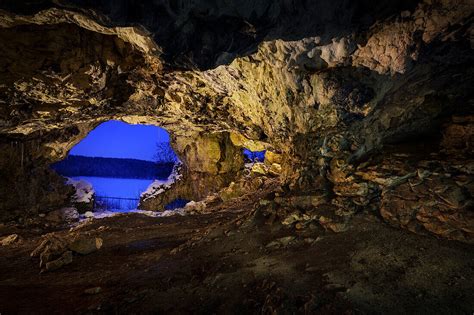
x=370 y=104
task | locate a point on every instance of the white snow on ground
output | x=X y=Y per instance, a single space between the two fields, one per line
x=84 y=190
x=160 y=186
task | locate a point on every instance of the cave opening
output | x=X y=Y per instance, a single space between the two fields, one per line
x=253 y=156
x=115 y=163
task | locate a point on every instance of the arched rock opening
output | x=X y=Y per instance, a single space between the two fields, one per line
x=210 y=162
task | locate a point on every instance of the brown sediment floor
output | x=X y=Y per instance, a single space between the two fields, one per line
x=222 y=263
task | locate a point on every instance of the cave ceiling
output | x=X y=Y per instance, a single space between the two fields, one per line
x=273 y=71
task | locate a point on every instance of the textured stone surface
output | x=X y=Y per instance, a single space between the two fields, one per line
x=10 y=239
x=85 y=245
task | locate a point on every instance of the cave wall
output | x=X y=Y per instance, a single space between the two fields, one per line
x=210 y=163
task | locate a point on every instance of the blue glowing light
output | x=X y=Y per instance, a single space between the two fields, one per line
x=251 y=156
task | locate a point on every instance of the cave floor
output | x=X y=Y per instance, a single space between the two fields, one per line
x=223 y=263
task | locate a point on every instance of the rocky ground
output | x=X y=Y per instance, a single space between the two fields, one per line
x=239 y=259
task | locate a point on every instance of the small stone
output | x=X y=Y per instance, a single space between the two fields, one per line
x=37 y=251
x=10 y=239
x=89 y=214
x=85 y=246
x=272 y=158
x=284 y=241
x=259 y=168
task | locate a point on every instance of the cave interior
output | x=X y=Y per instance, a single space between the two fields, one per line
x=315 y=157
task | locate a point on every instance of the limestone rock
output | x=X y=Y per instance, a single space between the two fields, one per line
x=209 y=153
x=10 y=239
x=305 y=201
x=282 y=242
x=240 y=141
x=332 y=225
x=275 y=169
x=424 y=196
x=50 y=249
x=64 y=259
x=85 y=245
x=259 y=168
x=89 y=214
x=272 y=158
x=64 y=215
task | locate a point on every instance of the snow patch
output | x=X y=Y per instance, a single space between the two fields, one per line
x=84 y=191
x=160 y=186
x=111 y=213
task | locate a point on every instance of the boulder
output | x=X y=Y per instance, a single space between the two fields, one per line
x=56 y=251
x=63 y=215
x=86 y=245
x=275 y=169
x=241 y=141
x=281 y=242
x=89 y=214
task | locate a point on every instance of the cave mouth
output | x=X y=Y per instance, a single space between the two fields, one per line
x=253 y=156
x=115 y=163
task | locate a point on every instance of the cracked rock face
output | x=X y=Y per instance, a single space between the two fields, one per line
x=326 y=84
